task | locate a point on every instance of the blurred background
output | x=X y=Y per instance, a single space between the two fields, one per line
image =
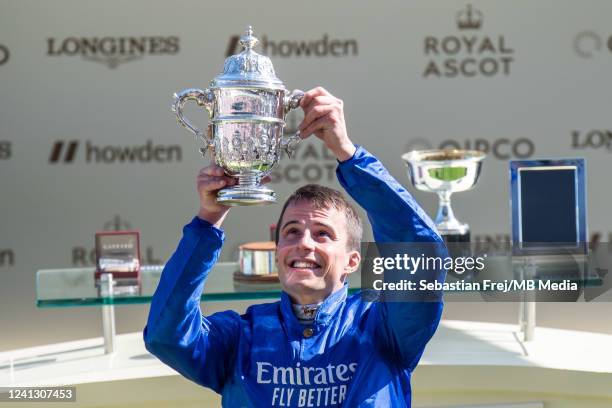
x=88 y=141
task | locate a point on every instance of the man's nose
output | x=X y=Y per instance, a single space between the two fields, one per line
x=306 y=242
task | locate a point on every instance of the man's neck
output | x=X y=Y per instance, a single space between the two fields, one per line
x=311 y=297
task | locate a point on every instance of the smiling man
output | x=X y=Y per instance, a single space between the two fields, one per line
x=318 y=242
x=316 y=347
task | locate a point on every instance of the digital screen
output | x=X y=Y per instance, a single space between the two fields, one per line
x=548 y=205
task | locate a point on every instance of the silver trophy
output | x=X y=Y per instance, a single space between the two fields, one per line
x=445 y=172
x=247 y=105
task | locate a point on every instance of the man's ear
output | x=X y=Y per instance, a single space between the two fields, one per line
x=354 y=258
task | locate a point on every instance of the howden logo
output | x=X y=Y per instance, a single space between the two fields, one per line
x=317 y=48
x=65 y=152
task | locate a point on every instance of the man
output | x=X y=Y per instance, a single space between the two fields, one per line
x=316 y=347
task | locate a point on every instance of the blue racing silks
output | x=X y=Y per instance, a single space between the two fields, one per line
x=357 y=353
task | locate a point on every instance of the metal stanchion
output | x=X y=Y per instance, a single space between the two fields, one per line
x=527 y=307
x=108 y=313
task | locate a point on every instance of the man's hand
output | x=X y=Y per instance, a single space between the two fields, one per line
x=324 y=117
x=210 y=180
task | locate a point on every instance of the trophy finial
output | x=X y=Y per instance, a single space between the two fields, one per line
x=248 y=40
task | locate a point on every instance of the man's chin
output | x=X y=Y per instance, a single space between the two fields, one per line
x=299 y=286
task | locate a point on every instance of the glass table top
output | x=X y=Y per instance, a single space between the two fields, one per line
x=77 y=287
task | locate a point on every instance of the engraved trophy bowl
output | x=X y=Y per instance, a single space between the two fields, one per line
x=445 y=172
x=247 y=105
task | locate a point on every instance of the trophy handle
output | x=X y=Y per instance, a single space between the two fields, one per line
x=292 y=101
x=289 y=144
x=203 y=98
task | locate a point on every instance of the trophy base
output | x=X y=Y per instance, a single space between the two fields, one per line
x=452 y=231
x=456 y=251
x=456 y=237
x=240 y=196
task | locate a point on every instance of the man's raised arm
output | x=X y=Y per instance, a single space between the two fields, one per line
x=200 y=348
x=402 y=328
x=405 y=325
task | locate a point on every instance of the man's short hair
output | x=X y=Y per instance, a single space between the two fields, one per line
x=324 y=197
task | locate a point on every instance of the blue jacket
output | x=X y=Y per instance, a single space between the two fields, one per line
x=359 y=353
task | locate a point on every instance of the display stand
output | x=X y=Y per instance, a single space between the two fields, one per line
x=108 y=313
x=527 y=305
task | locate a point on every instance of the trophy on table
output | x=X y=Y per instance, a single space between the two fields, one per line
x=118 y=263
x=247 y=105
x=445 y=172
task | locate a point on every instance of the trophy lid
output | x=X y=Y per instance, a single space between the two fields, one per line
x=248 y=68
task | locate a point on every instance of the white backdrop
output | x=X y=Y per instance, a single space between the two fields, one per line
x=88 y=142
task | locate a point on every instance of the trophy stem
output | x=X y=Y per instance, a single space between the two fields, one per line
x=445 y=211
x=248 y=180
x=445 y=219
x=246 y=192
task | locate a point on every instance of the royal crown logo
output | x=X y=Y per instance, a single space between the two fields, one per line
x=469 y=19
x=117 y=224
x=469 y=52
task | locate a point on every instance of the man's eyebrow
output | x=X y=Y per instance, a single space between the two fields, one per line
x=290 y=222
x=316 y=223
x=331 y=227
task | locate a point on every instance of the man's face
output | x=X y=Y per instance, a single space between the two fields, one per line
x=312 y=254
